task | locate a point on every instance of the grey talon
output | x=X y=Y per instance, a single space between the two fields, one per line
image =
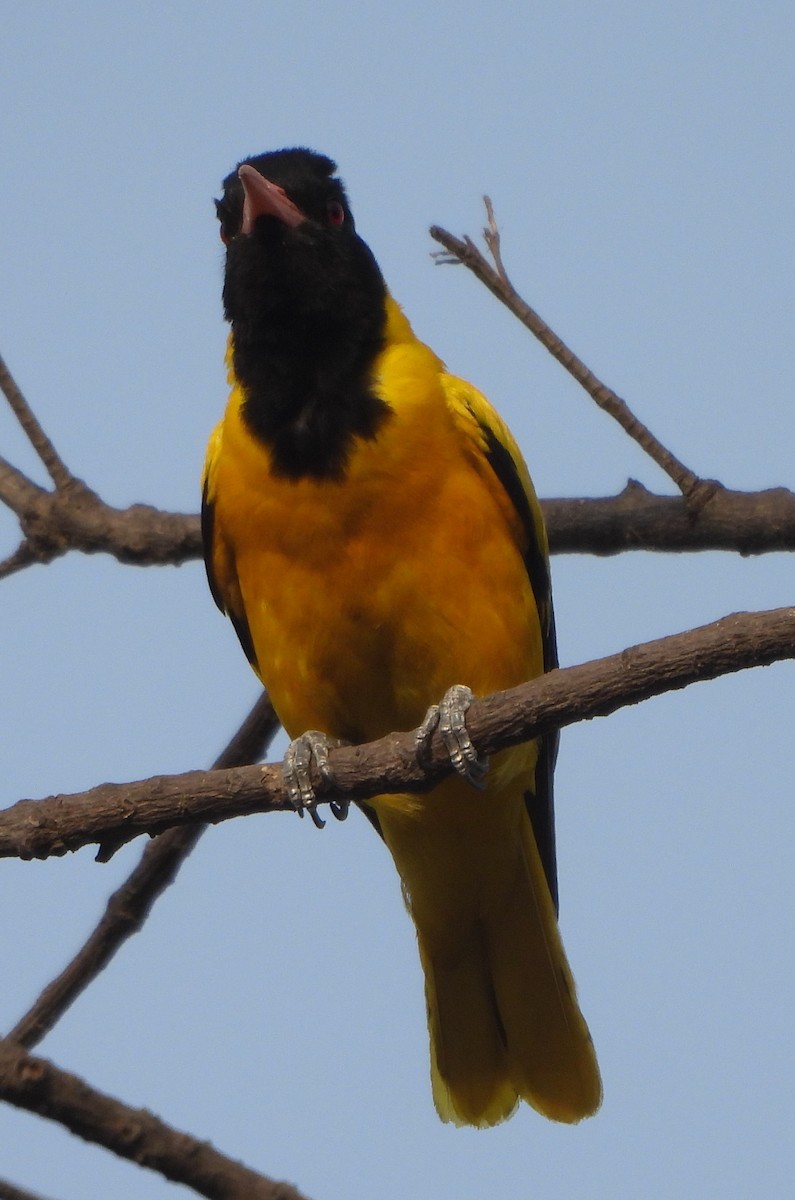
x=449 y=716
x=311 y=748
x=423 y=736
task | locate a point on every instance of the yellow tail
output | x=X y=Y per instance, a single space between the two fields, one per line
x=502 y=1009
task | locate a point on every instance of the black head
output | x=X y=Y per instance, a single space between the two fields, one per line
x=307 y=305
x=307 y=178
x=292 y=246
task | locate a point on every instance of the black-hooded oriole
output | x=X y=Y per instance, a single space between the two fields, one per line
x=372 y=531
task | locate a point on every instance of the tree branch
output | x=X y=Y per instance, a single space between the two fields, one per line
x=464 y=250
x=22 y=557
x=743 y=522
x=75 y=518
x=117 y=813
x=130 y=905
x=636 y=519
x=56 y=467
x=132 y=1133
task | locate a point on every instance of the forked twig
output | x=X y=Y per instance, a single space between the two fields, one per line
x=697 y=491
x=58 y=471
x=491 y=236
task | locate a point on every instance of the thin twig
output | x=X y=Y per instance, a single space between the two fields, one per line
x=22 y=557
x=491 y=236
x=120 y=812
x=56 y=467
x=39 y=1086
x=18 y=492
x=696 y=490
x=130 y=905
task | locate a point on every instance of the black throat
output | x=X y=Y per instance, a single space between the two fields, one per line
x=308 y=390
x=307 y=306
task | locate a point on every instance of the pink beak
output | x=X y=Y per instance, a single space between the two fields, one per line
x=263 y=198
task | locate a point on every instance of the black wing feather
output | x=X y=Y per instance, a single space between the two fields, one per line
x=236 y=613
x=540 y=803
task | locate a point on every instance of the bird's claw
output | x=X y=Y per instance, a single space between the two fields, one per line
x=311 y=749
x=449 y=717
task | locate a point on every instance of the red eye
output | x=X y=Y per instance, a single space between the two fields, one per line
x=335 y=212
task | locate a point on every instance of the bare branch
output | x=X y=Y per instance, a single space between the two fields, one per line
x=465 y=251
x=18 y=492
x=130 y=905
x=636 y=519
x=56 y=467
x=117 y=813
x=132 y=1133
x=40 y=543
x=75 y=518
x=22 y=557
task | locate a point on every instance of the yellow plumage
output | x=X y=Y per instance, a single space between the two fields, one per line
x=361 y=598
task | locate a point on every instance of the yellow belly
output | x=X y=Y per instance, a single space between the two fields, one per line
x=367 y=599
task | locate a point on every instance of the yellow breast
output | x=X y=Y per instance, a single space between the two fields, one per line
x=368 y=596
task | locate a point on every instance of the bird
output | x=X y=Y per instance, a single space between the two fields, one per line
x=372 y=531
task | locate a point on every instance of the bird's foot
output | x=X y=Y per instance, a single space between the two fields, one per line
x=311 y=749
x=449 y=717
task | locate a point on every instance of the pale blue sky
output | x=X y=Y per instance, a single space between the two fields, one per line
x=640 y=160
